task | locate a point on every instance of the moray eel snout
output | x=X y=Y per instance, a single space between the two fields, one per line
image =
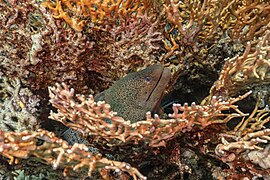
x=137 y=93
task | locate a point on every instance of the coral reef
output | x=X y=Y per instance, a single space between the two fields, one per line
x=54 y=53
x=218 y=54
x=38 y=50
x=249 y=142
x=200 y=35
x=246 y=71
x=57 y=152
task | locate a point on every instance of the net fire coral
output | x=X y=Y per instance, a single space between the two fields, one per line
x=56 y=152
x=249 y=69
x=76 y=12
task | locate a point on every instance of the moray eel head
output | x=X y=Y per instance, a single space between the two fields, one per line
x=137 y=93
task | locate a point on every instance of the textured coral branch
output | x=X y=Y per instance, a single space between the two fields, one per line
x=98 y=10
x=56 y=152
x=95 y=118
x=38 y=49
x=249 y=69
x=205 y=115
x=187 y=28
x=257 y=120
x=195 y=22
x=247 y=146
x=248 y=142
x=249 y=19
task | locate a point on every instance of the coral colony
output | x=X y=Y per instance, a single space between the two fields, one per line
x=57 y=55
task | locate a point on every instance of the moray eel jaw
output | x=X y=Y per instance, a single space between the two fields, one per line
x=137 y=93
x=162 y=78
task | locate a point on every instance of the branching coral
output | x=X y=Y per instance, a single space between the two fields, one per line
x=128 y=32
x=250 y=69
x=193 y=22
x=203 y=33
x=126 y=36
x=89 y=44
x=131 y=44
x=211 y=113
x=195 y=41
x=197 y=21
x=76 y=12
x=248 y=144
x=248 y=19
x=15 y=35
x=56 y=152
x=188 y=17
x=44 y=50
x=39 y=50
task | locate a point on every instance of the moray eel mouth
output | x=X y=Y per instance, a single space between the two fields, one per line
x=160 y=86
x=137 y=93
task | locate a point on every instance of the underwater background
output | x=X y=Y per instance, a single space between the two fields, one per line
x=134 y=89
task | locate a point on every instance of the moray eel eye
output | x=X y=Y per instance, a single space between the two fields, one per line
x=147 y=79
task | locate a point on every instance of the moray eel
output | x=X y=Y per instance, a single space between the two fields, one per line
x=137 y=93
x=131 y=97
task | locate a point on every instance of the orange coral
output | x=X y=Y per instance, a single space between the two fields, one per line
x=194 y=20
x=248 y=19
x=211 y=21
x=58 y=153
x=76 y=12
